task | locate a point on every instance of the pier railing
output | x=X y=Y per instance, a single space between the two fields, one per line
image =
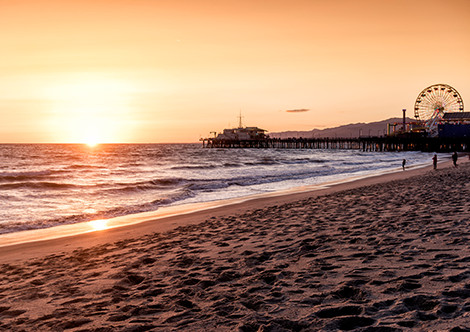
x=385 y=143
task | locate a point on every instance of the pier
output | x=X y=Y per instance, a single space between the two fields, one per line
x=385 y=143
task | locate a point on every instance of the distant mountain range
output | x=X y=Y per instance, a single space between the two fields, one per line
x=347 y=131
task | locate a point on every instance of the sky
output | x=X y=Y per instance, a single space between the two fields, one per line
x=151 y=71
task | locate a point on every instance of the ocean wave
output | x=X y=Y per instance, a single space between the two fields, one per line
x=25 y=176
x=207 y=185
x=353 y=163
x=212 y=166
x=193 y=167
x=6 y=198
x=83 y=166
x=155 y=184
x=304 y=161
x=170 y=199
x=229 y=164
x=38 y=185
x=262 y=162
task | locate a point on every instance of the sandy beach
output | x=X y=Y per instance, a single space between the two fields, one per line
x=388 y=253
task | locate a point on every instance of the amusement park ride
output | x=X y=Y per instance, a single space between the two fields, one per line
x=436 y=106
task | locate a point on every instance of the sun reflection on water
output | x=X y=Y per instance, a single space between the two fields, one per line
x=99 y=225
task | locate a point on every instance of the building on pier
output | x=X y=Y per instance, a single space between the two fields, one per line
x=455 y=124
x=242 y=134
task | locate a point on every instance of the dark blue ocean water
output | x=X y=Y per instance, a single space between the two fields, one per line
x=44 y=185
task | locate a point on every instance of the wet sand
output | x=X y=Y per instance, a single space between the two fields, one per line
x=387 y=253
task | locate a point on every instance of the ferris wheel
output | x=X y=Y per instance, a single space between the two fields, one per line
x=433 y=102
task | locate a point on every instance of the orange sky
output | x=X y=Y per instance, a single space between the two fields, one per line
x=172 y=71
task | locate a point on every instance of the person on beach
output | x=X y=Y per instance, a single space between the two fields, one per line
x=403 y=163
x=434 y=161
x=454 y=158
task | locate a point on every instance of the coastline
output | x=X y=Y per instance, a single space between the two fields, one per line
x=170 y=217
x=383 y=253
x=55 y=195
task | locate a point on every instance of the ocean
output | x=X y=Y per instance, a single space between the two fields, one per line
x=46 y=185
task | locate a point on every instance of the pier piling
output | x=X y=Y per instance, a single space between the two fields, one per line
x=366 y=144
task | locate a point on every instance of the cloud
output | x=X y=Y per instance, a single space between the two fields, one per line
x=300 y=110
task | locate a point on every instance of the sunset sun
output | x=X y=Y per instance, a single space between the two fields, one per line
x=89 y=110
x=91 y=142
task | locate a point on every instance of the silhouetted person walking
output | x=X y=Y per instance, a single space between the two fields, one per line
x=434 y=161
x=403 y=163
x=454 y=159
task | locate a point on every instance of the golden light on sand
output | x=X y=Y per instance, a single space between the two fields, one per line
x=99 y=225
x=89 y=109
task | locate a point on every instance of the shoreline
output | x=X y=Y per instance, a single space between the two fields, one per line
x=72 y=236
x=111 y=204
x=78 y=228
x=73 y=229
x=386 y=253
